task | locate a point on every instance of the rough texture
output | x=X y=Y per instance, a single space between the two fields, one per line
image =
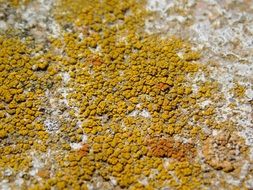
x=125 y=94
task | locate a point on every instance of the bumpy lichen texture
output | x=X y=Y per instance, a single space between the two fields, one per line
x=106 y=105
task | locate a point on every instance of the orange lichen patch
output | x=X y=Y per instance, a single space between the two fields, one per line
x=94 y=60
x=83 y=151
x=224 y=152
x=162 y=86
x=44 y=173
x=168 y=147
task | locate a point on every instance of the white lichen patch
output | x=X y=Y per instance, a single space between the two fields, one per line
x=65 y=77
x=3 y=25
x=144 y=181
x=113 y=181
x=34 y=16
x=134 y=113
x=77 y=146
x=19 y=181
x=143 y=113
x=37 y=163
x=4 y=184
x=51 y=124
